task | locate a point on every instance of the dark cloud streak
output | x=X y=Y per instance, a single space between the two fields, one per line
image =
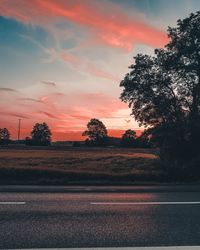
x=2 y=89
x=48 y=83
x=15 y=114
x=48 y=114
x=31 y=100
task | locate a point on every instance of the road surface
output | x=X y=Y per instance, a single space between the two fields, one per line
x=87 y=217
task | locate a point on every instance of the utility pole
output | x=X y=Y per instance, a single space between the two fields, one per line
x=19 y=127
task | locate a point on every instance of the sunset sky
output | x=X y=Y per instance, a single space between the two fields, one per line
x=61 y=61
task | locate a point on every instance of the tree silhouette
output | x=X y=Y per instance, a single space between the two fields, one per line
x=129 y=138
x=96 y=133
x=41 y=134
x=4 y=136
x=163 y=92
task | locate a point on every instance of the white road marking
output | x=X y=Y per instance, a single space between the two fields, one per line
x=148 y=203
x=12 y=202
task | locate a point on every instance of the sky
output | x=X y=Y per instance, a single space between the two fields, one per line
x=61 y=61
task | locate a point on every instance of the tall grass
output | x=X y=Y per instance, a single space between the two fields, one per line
x=79 y=166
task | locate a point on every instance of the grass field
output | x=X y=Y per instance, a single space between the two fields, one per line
x=58 y=165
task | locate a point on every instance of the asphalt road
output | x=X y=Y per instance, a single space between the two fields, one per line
x=100 y=219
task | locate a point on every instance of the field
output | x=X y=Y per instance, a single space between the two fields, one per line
x=59 y=165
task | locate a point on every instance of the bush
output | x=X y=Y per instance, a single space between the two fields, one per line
x=76 y=144
x=31 y=142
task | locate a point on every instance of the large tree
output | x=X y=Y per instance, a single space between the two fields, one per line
x=144 y=140
x=41 y=134
x=163 y=92
x=96 y=132
x=4 y=136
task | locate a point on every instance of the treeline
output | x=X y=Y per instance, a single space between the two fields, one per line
x=96 y=136
x=39 y=136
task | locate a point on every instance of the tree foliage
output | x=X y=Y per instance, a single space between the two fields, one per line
x=163 y=92
x=129 y=138
x=144 y=140
x=96 y=133
x=4 y=136
x=41 y=134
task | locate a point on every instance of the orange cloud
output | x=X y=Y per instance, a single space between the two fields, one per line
x=109 y=23
x=66 y=121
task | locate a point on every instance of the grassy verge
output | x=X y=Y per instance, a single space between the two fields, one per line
x=63 y=166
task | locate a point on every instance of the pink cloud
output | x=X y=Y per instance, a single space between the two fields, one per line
x=94 y=70
x=109 y=24
x=73 y=60
x=44 y=98
x=117 y=29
